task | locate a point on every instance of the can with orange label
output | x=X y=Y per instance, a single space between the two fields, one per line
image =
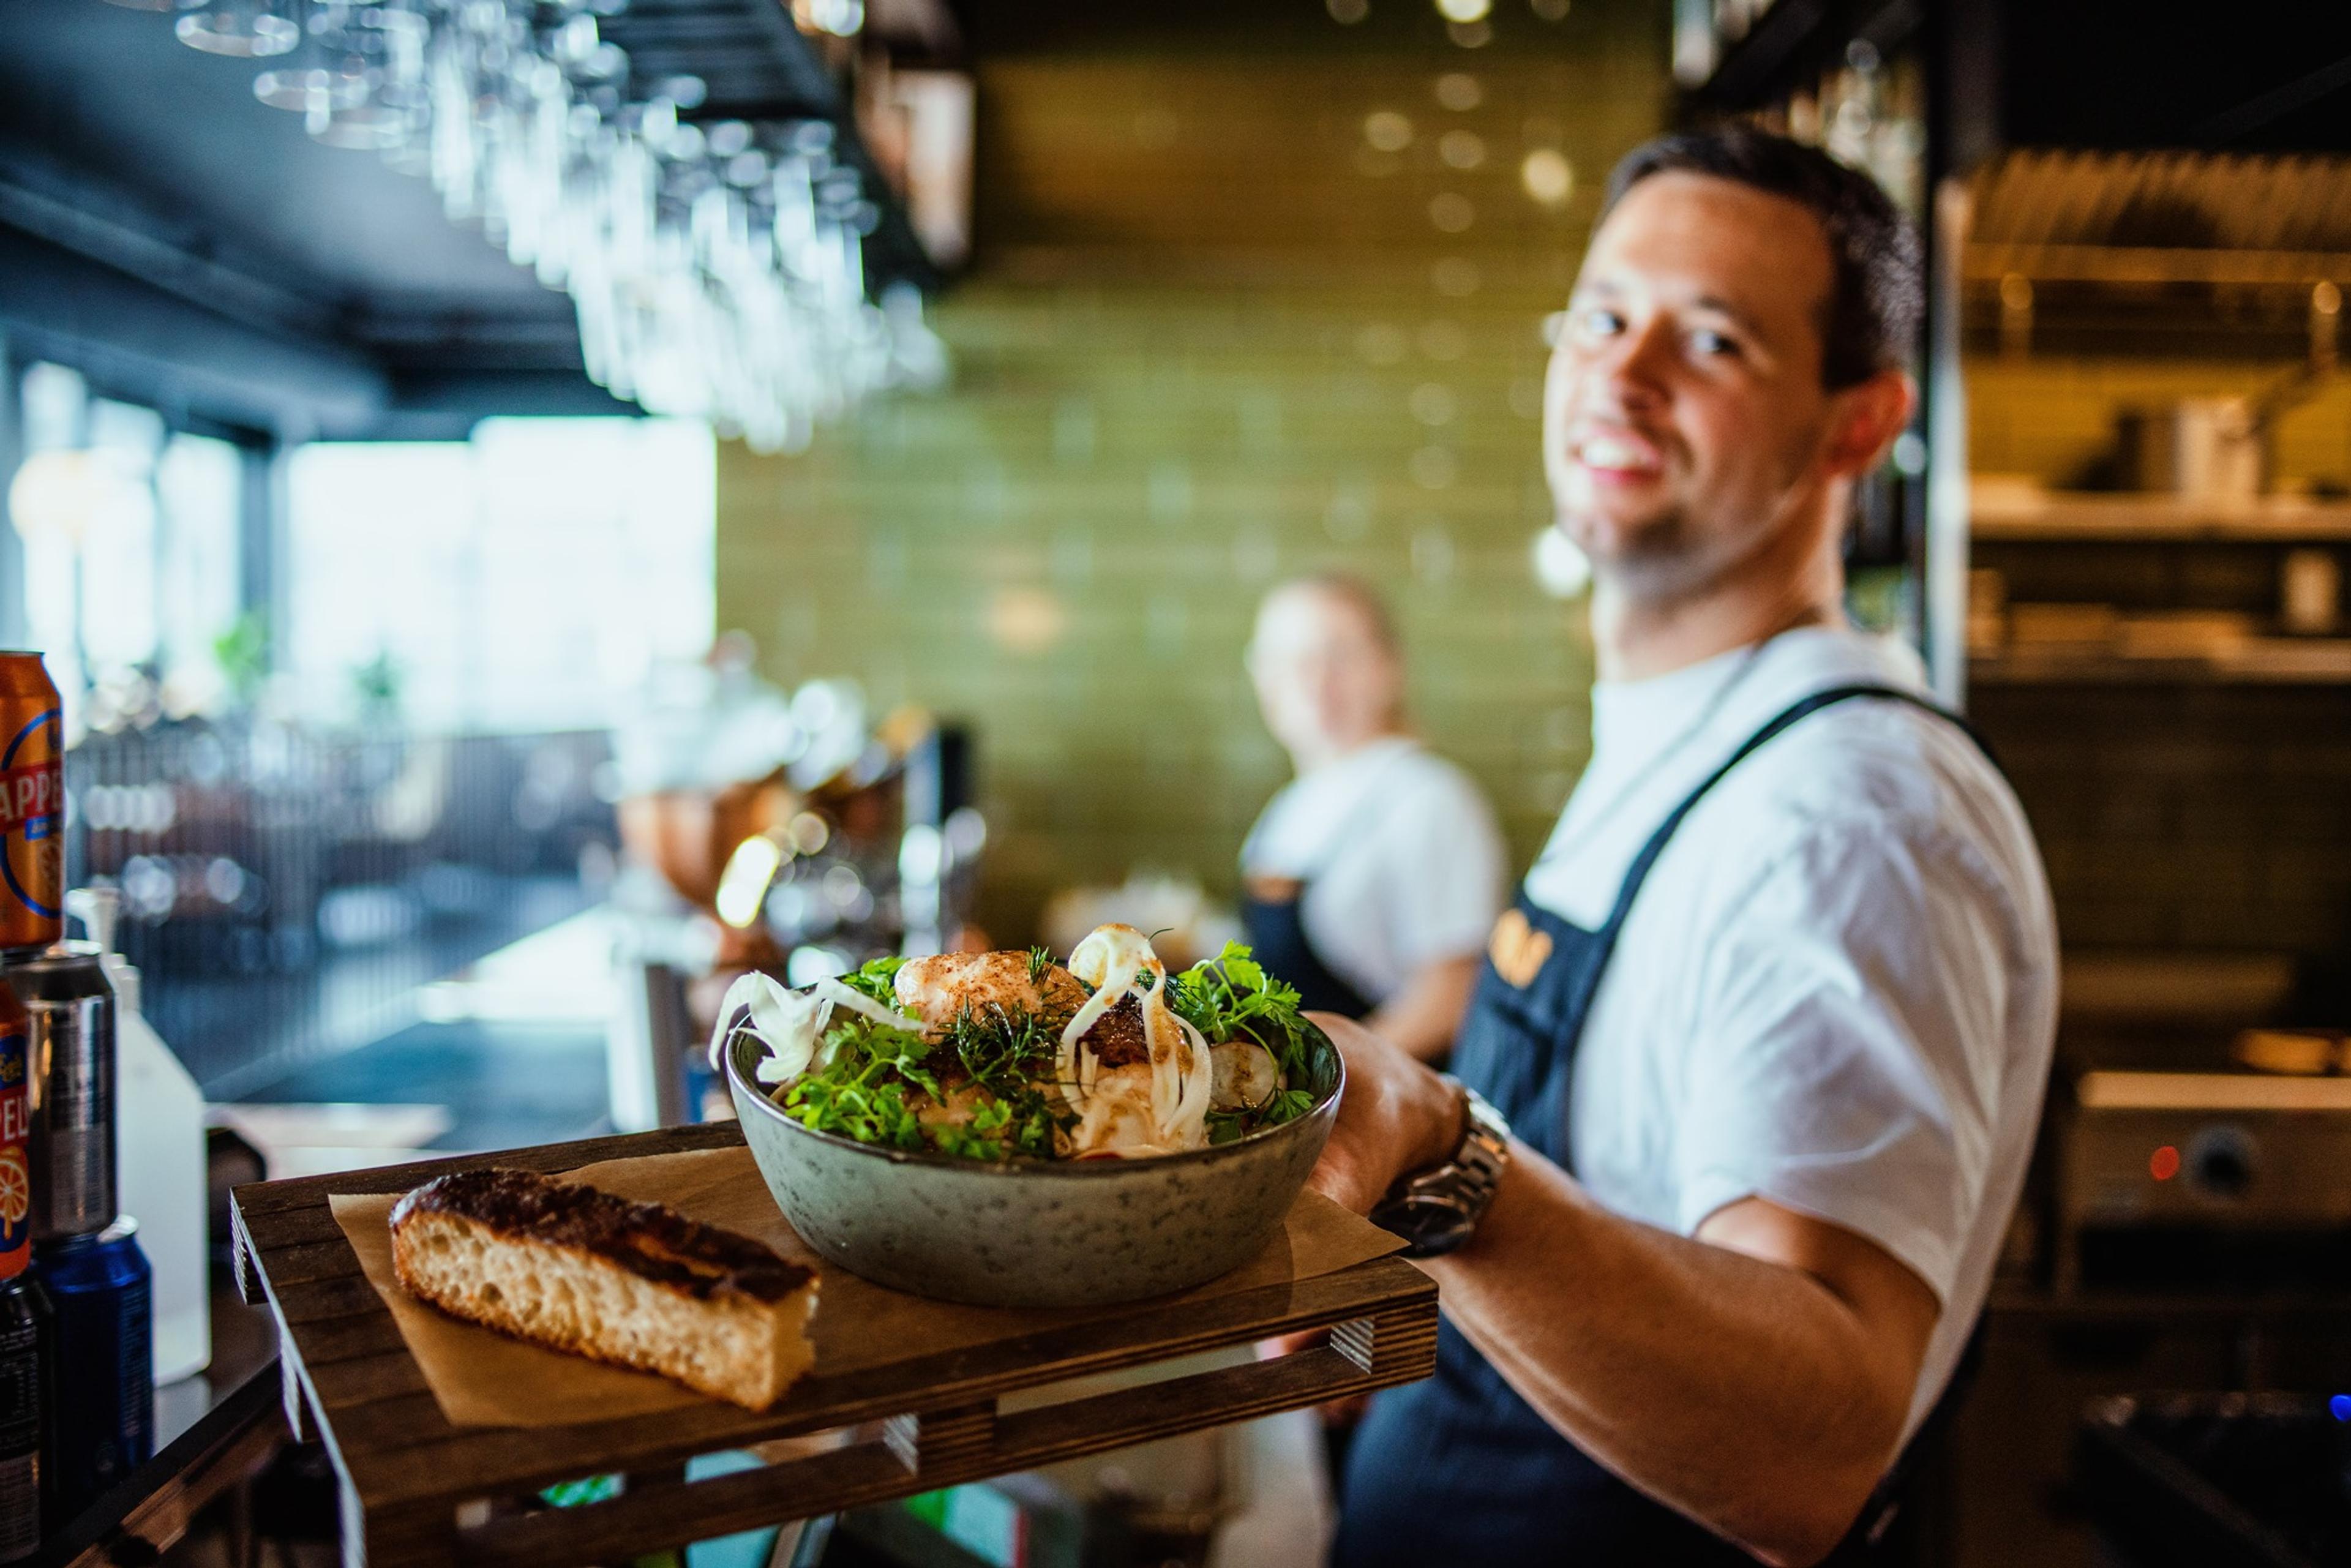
x=32 y=805
x=16 y=1127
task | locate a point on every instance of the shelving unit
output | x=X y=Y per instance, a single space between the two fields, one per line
x=2063 y=519
x=2269 y=660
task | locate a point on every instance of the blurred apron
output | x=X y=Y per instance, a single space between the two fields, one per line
x=1273 y=924
x=1459 y=1469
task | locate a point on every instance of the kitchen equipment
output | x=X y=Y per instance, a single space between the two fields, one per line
x=69 y=1044
x=2218 y=454
x=2310 y=592
x=2202 y=1179
x=1026 y=1232
x=2219 y=1480
x=2208 y=450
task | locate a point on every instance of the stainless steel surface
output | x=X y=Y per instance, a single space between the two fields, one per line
x=69 y=1053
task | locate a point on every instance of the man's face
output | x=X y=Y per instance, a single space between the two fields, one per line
x=1324 y=683
x=1684 y=419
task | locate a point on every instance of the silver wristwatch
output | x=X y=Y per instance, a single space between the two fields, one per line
x=1437 y=1210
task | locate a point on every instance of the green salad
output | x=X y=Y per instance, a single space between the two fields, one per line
x=978 y=1078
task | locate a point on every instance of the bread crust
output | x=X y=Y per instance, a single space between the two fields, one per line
x=634 y=1284
x=650 y=1240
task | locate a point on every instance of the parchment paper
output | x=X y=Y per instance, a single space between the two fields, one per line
x=481 y=1378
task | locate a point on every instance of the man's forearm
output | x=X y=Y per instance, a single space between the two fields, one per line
x=1742 y=1392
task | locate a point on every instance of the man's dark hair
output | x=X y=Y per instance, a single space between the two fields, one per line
x=1876 y=296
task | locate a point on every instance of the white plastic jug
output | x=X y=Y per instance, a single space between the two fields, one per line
x=159 y=1156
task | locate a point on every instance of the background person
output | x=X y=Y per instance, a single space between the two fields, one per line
x=1370 y=881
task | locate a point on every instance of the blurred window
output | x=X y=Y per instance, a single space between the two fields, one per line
x=198 y=489
x=526 y=579
x=130 y=549
x=118 y=545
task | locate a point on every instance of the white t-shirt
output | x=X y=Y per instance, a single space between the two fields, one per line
x=1837 y=989
x=1401 y=859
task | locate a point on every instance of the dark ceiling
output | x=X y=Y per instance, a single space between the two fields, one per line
x=248 y=276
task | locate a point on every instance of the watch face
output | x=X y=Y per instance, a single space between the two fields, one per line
x=1430 y=1226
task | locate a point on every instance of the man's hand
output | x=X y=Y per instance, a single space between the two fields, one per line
x=1396 y=1117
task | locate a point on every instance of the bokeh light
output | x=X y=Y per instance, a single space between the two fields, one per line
x=1548 y=176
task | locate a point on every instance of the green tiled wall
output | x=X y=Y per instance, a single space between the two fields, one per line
x=1153 y=420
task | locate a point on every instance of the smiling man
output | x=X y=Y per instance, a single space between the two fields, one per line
x=1750 y=1078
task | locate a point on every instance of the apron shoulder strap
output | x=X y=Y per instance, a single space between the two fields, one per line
x=1794 y=713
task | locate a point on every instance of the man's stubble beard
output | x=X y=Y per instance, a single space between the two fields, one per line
x=1650 y=562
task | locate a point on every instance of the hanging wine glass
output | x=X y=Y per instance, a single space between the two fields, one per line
x=376 y=82
x=295 y=83
x=244 y=29
x=405 y=95
x=717 y=270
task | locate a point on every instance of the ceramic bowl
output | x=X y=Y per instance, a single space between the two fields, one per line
x=1033 y=1233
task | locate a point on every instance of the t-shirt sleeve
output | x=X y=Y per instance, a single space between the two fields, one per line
x=1848 y=1044
x=1444 y=870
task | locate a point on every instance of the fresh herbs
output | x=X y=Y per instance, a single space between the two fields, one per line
x=1009 y=1058
x=983 y=1087
x=863 y=1071
x=878 y=979
x=861 y=1092
x=1230 y=997
x=977 y=1091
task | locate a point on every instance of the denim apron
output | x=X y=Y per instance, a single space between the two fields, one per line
x=1277 y=939
x=1275 y=929
x=1459 y=1469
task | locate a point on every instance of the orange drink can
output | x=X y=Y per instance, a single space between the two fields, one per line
x=32 y=805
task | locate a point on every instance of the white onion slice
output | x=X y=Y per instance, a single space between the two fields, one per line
x=1191 y=1126
x=865 y=1006
x=1167 y=1042
x=789 y=1023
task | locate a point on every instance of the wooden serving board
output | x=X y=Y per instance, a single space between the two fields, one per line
x=416 y=1490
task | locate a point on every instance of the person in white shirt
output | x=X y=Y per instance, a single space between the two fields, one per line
x=1772 y=1020
x=1372 y=879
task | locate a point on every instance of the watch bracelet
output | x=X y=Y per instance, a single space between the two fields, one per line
x=1465 y=1182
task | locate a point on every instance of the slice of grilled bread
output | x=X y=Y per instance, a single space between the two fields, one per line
x=636 y=1284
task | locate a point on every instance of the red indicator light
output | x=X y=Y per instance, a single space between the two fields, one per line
x=2163 y=1164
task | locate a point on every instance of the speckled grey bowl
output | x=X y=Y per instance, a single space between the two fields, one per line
x=1033 y=1233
